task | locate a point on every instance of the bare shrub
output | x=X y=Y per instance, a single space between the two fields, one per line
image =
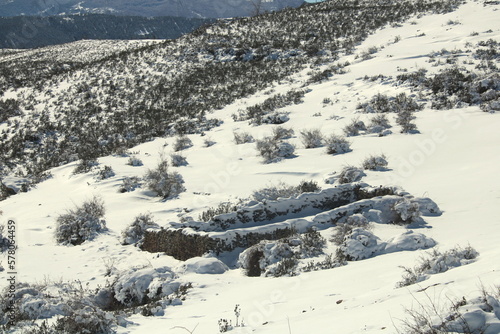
x=81 y=224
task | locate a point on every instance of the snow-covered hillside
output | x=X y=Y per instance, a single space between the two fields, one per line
x=335 y=250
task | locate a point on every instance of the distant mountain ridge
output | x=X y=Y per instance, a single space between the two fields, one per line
x=22 y=32
x=182 y=8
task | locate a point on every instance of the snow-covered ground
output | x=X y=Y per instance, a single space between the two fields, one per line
x=454 y=160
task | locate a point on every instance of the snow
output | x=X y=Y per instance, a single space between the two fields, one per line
x=450 y=169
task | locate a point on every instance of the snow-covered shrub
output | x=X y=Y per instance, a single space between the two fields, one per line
x=281 y=257
x=267 y=257
x=273 y=192
x=378 y=123
x=281 y=133
x=342 y=230
x=182 y=143
x=350 y=174
x=208 y=142
x=105 y=173
x=437 y=262
x=82 y=223
x=308 y=187
x=408 y=241
x=353 y=128
x=203 y=265
x=285 y=267
x=283 y=190
x=85 y=166
x=312 y=243
x=383 y=104
x=223 y=207
x=130 y=183
x=468 y=316
x=134 y=233
x=162 y=182
x=337 y=144
x=134 y=161
x=311 y=138
x=85 y=320
x=75 y=307
x=141 y=286
x=242 y=138
x=275 y=118
x=178 y=160
x=408 y=211
x=4 y=241
x=405 y=120
x=274 y=150
x=360 y=244
x=376 y=162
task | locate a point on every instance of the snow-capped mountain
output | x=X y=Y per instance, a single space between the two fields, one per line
x=326 y=169
x=182 y=8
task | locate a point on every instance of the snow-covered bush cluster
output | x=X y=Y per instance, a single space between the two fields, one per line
x=134 y=161
x=134 y=233
x=81 y=223
x=265 y=112
x=105 y=173
x=164 y=183
x=78 y=308
x=182 y=143
x=376 y=162
x=381 y=103
x=4 y=241
x=468 y=316
x=354 y=128
x=348 y=174
x=273 y=150
x=242 y=138
x=437 y=262
x=130 y=183
x=142 y=286
x=281 y=133
x=280 y=257
x=379 y=124
x=360 y=244
x=178 y=160
x=336 y=144
x=408 y=211
x=312 y=138
x=283 y=190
